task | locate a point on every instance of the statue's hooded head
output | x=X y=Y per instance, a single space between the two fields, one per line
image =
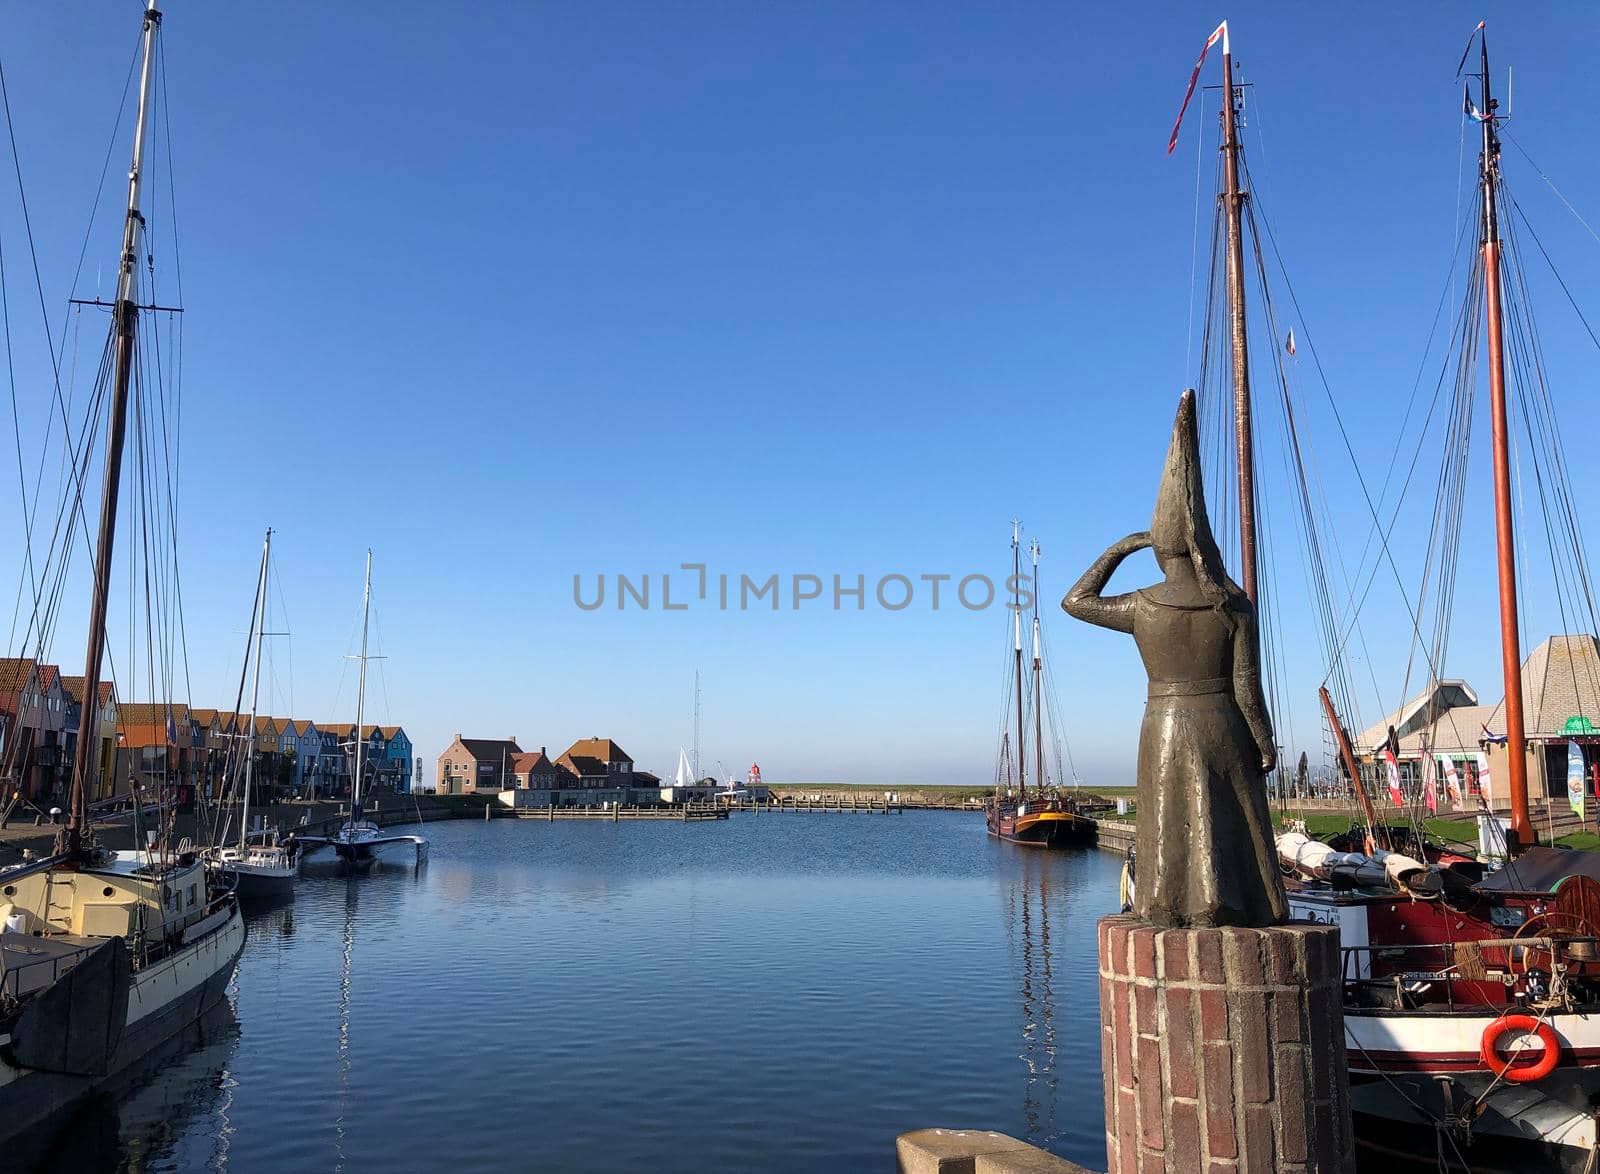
x=1180 y=528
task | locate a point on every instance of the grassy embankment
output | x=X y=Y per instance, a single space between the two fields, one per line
x=1460 y=832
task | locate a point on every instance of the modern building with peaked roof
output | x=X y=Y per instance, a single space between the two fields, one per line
x=1560 y=683
x=1418 y=712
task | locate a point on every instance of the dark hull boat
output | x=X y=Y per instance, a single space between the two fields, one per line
x=84 y=1007
x=1040 y=823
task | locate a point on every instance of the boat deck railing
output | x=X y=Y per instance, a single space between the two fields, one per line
x=12 y=985
x=1453 y=975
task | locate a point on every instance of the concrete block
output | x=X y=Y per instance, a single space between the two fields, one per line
x=950 y=1151
x=1025 y=1161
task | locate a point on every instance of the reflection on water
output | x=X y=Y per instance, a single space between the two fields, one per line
x=342 y=1061
x=144 y=1123
x=1028 y=935
x=782 y=993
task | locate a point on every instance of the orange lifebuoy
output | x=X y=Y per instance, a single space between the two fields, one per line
x=1521 y=1073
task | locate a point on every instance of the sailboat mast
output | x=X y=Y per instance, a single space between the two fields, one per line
x=361 y=695
x=1038 y=661
x=1016 y=616
x=1505 y=539
x=1348 y=754
x=697 y=727
x=125 y=317
x=255 y=692
x=1233 y=204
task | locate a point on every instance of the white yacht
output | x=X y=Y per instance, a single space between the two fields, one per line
x=358 y=839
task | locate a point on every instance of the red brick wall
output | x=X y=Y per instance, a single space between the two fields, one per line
x=1223 y=1049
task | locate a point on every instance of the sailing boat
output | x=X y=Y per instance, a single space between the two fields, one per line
x=1472 y=1019
x=1045 y=818
x=358 y=838
x=105 y=955
x=258 y=865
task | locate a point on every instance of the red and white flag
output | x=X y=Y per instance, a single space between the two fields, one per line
x=1485 y=786
x=1452 y=784
x=1288 y=343
x=1221 y=34
x=1430 y=784
x=1392 y=767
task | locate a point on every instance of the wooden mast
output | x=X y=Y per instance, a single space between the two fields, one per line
x=125 y=324
x=1038 y=661
x=1233 y=203
x=1505 y=539
x=1347 y=752
x=1016 y=616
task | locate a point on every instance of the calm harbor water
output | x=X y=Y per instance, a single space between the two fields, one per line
x=782 y=992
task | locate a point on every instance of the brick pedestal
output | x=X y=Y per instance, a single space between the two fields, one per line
x=1223 y=1050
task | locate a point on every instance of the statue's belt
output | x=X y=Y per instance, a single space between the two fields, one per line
x=1191 y=688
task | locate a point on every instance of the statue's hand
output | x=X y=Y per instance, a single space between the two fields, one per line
x=1269 y=761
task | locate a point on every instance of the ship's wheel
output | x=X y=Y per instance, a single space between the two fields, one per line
x=1572 y=916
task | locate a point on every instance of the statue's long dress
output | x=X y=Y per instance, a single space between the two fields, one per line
x=1204 y=829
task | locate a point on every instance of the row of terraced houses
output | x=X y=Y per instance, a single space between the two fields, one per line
x=40 y=715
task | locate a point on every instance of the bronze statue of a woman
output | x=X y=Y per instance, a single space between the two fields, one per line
x=1204 y=833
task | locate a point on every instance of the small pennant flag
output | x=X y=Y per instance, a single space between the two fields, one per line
x=1288 y=343
x=1462 y=64
x=172 y=730
x=1221 y=34
x=1485 y=785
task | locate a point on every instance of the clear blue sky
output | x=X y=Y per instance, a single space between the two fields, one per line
x=513 y=292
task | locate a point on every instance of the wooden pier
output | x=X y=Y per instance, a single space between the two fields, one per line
x=684 y=814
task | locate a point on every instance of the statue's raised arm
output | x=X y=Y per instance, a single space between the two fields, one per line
x=1085 y=601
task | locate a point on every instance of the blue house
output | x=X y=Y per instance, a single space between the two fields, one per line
x=398 y=759
x=304 y=739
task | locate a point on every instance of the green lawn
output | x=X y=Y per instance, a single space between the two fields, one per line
x=1449 y=831
x=1456 y=832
